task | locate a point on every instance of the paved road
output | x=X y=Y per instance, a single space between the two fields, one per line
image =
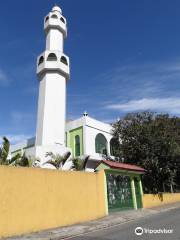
x=167 y=220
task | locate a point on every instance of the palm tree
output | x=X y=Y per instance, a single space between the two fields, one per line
x=57 y=160
x=24 y=161
x=79 y=164
x=16 y=160
x=4 y=153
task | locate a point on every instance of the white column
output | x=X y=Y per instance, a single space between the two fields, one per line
x=51 y=110
x=54 y=40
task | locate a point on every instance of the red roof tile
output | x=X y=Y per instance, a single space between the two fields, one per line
x=123 y=166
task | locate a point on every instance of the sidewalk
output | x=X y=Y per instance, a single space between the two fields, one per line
x=112 y=220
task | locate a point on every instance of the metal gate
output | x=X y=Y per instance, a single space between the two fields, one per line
x=119 y=192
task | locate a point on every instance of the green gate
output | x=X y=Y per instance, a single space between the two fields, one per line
x=119 y=192
x=138 y=193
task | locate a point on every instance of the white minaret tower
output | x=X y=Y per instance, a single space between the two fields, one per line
x=53 y=72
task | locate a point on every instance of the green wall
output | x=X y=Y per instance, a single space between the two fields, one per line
x=71 y=139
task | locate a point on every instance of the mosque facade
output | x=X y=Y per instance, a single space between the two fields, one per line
x=85 y=136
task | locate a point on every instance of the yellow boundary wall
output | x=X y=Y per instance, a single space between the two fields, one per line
x=37 y=199
x=153 y=200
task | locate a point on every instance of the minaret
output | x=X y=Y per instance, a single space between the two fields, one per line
x=53 y=72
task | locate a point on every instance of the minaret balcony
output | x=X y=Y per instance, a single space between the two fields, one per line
x=55 y=21
x=54 y=61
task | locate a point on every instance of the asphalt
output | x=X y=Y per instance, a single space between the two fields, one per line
x=162 y=226
x=118 y=225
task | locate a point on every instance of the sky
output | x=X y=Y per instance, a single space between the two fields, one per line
x=125 y=57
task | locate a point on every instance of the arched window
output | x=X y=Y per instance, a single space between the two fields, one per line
x=101 y=144
x=77 y=145
x=114 y=145
x=47 y=18
x=62 y=19
x=41 y=60
x=64 y=60
x=54 y=16
x=52 y=57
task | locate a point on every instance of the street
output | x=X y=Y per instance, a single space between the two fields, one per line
x=165 y=221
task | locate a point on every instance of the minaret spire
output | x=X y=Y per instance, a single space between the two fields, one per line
x=53 y=72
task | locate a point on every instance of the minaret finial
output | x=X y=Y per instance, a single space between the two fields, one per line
x=56 y=8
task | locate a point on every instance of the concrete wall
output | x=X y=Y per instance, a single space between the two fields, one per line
x=153 y=200
x=37 y=199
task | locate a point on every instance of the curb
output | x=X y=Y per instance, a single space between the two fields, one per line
x=112 y=224
x=111 y=220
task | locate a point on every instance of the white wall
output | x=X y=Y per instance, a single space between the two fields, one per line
x=89 y=141
x=91 y=129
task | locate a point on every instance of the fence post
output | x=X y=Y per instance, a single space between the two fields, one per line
x=133 y=193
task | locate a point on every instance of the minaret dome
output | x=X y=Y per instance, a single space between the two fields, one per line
x=56 y=9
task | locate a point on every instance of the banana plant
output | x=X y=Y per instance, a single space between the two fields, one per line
x=24 y=161
x=79 y=164
x=4 y=153
x=57 y=160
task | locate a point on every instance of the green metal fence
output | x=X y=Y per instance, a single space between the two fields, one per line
x=119 y=192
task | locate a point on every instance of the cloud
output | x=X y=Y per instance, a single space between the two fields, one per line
x=4 y=80
x=22 y=117
x=145 y=80
x=108 y=120
x=170 y=105
x=22 y=123
x=124 y=83
x=16 y=138
x=135 y=86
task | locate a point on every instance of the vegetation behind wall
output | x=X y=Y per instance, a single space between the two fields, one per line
x=152 y=141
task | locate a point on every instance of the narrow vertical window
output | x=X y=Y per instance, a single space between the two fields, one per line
x=47 y=18
x=77 y=145
x=62 y=19
x=52 y=57
x=54 y=16
x=41 y=60
x=64 y=60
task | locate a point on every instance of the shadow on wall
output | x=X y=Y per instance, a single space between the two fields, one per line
x=153 y=200
x=160 y=195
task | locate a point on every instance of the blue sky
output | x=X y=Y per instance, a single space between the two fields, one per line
x=125 y=56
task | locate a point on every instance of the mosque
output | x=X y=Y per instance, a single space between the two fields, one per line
x=86 y=138
x=82 y=137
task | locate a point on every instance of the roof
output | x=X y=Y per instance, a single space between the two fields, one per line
x=122 y=166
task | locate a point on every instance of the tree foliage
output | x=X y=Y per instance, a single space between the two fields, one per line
x=152 y=141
